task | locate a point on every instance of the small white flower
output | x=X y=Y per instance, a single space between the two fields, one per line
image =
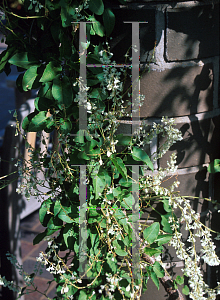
x=109 y=153
x=64 y=289
x=128 y=288
x=89 y=106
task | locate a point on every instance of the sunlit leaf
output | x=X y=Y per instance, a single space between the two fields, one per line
x=151 y=232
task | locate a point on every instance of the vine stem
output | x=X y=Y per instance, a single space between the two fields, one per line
x=166 y=281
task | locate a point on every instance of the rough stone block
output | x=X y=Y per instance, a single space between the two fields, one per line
x=200 y=143
x=177 y=92
x=192 y=33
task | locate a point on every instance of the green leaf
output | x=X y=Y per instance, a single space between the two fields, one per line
x=96 y=6
x=43 y=212
x=38 y=122
x=98 y=27
x=116 y=191
x=111 y=261
x=151 y=233
x=99 y=185
x=69 y=236
x=158 y=269
x=54 y=224
x=57 y=208
x=105 y=176
x=123 y=140
x=29 y=78
x=67 y=14
x=39 y=237
x=46 y=91
x=166 y=205
x=108 y=20
x=119 y=247
x=94 y=237
x=120 y=216
x=23 y=60
x=52 y=231
x=51 y=71
x=82 y=155
x=120 y=252
x=63 y=215
x=214 y=166
x=140 y=155
x=26 y=122
x=155 y=279
x=65 y=126
x=166 y=224
x=19 y=83
x=151 y=251
x=89 y=147
x=127 y=202
x=97 y=94
x=163 y=239
x=82 y=295
x=185 y=290
x=125 y=183
x=43 y=104
x=118 y=162
x=50 y=126
x=179 y=279
x=4 y=57
x=103 y=223
x=62 y=91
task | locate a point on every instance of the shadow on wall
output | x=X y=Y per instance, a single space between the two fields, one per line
x=186 y=86
x=182 y=83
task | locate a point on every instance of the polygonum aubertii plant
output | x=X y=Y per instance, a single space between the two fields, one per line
x=100 y=181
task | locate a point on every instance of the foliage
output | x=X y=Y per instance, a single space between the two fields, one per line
x=92 y=258
x=214 y=166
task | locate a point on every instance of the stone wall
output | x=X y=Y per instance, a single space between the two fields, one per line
x=179 y=45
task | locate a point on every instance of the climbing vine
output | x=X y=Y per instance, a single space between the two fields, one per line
x=100 y=181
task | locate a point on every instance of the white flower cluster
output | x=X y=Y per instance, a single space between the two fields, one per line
x=113 y=283
x=81 y=97
x=153 y=183
x=199 y=288
x=166 y=129
x=55 y=267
